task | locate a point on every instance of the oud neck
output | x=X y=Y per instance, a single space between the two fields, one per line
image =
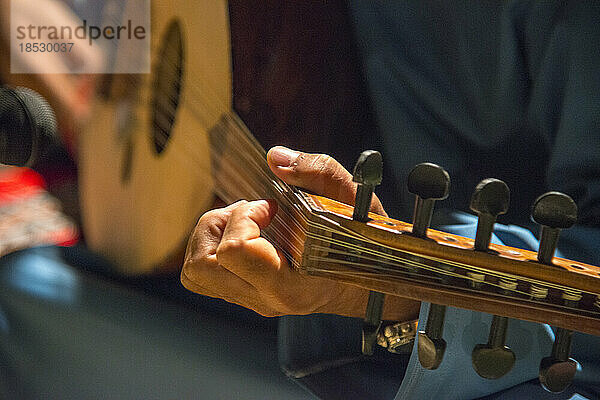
x=319 y=237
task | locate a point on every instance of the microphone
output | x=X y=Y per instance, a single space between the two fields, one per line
x=27 y=124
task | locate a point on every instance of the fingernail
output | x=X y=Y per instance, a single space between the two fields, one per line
x=282 y=156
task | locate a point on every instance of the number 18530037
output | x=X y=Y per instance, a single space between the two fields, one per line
x=45 y=47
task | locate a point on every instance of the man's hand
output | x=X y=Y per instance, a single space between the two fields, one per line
x=227 y=258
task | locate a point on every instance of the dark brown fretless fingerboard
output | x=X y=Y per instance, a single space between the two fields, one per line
x=444 y=269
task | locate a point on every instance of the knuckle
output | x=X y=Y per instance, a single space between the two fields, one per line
x=242 y=209
x=214 y=230
x=231 y=249
x=322 y=163
x=317 y=166
x=329 y=174
x=330 y=168
x=194 y=262
x=210 y=218
x=219 y=215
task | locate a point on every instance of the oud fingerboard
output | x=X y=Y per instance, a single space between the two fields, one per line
x=445 y=269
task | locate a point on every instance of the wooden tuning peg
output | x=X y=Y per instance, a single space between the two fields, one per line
x=493 y=359
x=490 y=199
x=432 y=346
x=557 y=370
x=429 y=182
x=556 y=211
x=368 y=174
x=553 y=211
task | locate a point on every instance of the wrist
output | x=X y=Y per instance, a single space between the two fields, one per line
x=351 y=301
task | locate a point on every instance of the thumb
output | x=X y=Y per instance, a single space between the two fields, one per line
x=318 y=173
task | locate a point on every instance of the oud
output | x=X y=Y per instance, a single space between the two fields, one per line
x=176 y=130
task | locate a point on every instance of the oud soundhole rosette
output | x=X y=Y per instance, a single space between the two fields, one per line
x=168 y=81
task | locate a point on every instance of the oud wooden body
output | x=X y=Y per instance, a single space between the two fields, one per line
x=138 y=205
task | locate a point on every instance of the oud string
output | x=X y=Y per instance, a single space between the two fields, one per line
x=349 y=235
